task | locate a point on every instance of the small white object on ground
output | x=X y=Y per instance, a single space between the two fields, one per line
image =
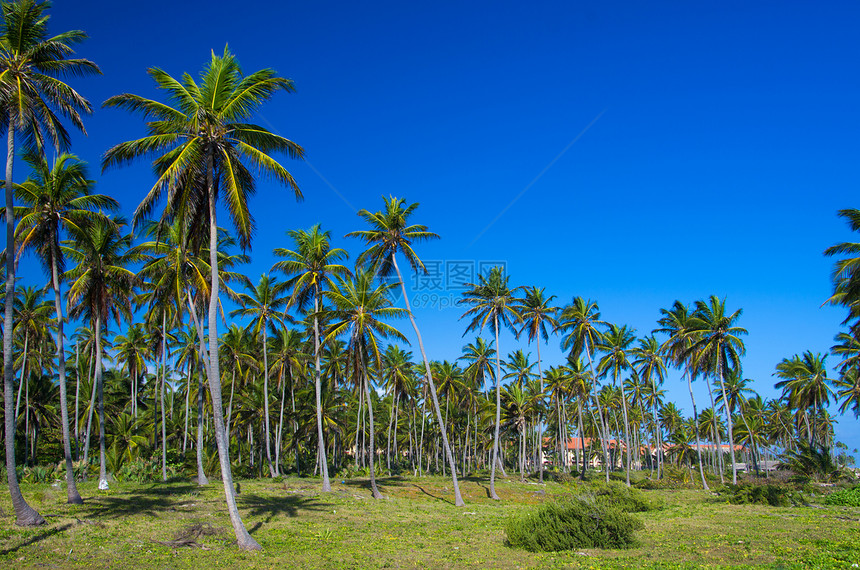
x=103 y=485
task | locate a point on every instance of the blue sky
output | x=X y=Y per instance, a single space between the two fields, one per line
x=630 y=153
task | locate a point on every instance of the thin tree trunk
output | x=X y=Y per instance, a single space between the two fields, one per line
x=326 y=484
x=603 y=428
x=718 y=447
x=372 y=455
x=696 y=429
x=458 y=498
x=539 y=423
x=161 y=396
x=495 y=459
x=244 y=539
x=77 y=398
x=72 y=494
x=201 y=474
x=25 y=378
x=728 y=421
x=103 y=484
x=266 y=442
x=89 y=431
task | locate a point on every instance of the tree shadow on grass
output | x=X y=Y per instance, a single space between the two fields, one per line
x=37 y=538
x=271 y=506
x=151 y=501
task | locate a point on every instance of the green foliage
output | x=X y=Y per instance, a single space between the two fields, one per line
x=673 y=478
x=844 y=498
x=811 y=463
x=627 y=499
x=145 y=471
x=37 y=474
x=576 y=522
x=768 y=494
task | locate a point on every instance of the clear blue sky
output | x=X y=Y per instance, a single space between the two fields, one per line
x=631 y=153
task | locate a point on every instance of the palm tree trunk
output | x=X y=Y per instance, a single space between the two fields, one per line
x=718 y=447
x=89 y=431
x=266 y=442
x=539 y=424
x=25 y=378
x=201 y=474
x=493 y=494
x=279 y=437
x=602 y=428
x=372 y=455
x=458 y=498
x=696 y=429
x=103 y=484
x=626 y=430
x=161 y=395
x=72 y=494
x=326 y=484
x=244 y=539
x=77 y=397
x=728 y=421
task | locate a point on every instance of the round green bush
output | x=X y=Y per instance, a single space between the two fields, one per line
x=844 y=498
x=576 y=522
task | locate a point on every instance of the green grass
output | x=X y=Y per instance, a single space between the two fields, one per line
x=415 y=526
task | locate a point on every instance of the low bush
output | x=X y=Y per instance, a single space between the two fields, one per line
x=767 y=494
x=574 y=522
x=627 y=499
x=844 y=498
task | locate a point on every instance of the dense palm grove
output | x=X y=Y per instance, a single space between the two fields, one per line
x=313 y=374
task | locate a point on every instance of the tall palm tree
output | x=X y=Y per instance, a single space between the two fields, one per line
x=494 y=304
x=359 y=307
x=132 y=354
x=806 y=386
x=651 y=366
x=579 y=322
x=846 y=271
x=718 y=348
x=34 y=98
x=616 y=344
x=207 y=145
x=537 y=315
x=264 y=303
x=399 y=382
x=311 y=268
x=54 y=200
x=389 y=235
x=677 y=323
x=100 y=289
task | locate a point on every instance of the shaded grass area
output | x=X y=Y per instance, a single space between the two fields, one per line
x=415 y=526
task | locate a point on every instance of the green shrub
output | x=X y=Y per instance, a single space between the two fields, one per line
x=844 y=497
x=145 y=471
x=627 y=499
x=768 y=494
x=575 y=522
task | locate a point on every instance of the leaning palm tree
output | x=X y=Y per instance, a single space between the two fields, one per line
x=389 y=235
x=56 y=198
x=33 y=98
x=718 y=348
x=358 y=309
x=677 y=324
x=100 y=289
x=264 y=303
x=537 y=314
x=203 y=147
x=494 y=304
x=311 y=268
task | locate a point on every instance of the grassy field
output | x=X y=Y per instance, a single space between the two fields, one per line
x=415 y=526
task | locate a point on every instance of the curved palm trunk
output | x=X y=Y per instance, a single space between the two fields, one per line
x=458 y=498
x=72 y=494
x=626 y=431
x=718 y=447
x=244 y=539
x=696 y=429
x=266 y=438
x=493 y=494
x=326 y=484
x=25 y=515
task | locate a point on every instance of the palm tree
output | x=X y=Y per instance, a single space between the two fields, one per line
x=391 y=233
x=311 y=268
x=616 y=343
x=55 y=199
x=204 y=141
x=846 y=271
x=399 y=382
x=34 y=97
x=358 y=307
x=806 y=386
x=537 y=313
x=100 y=289
x=652 y=369
x=677 y=324
x=580 y=321
x=718 y=348
x=494 y=304
x=264 y=303
x=132 y=354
